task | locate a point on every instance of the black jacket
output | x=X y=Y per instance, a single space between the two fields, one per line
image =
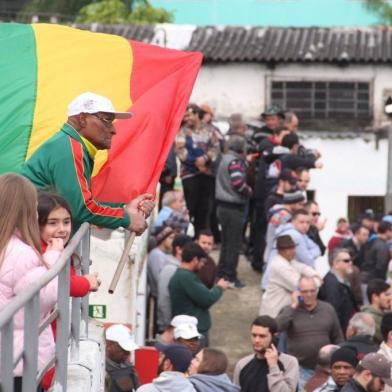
x=340 y=296
x=376 y=261
x=353 y=386
x=358 y=255
x=363 y=344
x=314 y=235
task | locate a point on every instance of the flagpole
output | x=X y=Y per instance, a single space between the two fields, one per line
x=122 y=262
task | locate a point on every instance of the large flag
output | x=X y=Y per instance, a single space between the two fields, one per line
x=44 y=66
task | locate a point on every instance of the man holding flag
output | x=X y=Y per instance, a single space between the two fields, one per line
x=64 y=163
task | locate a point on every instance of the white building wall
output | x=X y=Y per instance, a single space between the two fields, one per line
x=231 y=88
x=352 y=167
x=244 y=87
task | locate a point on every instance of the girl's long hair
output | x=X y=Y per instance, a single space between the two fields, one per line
x=18 y=212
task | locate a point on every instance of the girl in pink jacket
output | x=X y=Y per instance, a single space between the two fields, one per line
x=21 y=263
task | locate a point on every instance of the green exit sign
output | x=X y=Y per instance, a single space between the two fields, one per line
x=97 y=311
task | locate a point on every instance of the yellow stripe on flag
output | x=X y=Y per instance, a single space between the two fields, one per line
x=70 y=62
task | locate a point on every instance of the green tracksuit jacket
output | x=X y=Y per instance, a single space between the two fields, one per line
x=63 y=164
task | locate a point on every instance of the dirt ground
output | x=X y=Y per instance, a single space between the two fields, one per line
x=233 y=314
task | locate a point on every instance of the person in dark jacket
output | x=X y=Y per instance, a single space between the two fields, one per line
x=371 y=375
x=335 y=289
x=121 y=375
x=356 y=244
x=316 y=224
x=273 y=118
x=376 y=260
x=259 y=221
x=287 y=183
x=360 y=332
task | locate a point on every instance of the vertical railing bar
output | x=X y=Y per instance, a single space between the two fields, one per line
x=75 y=329
x=30 y=350
x=7 y=357
x=85 y=256
x=63 y=323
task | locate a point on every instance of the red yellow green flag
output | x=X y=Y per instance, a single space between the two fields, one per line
x=45 y=66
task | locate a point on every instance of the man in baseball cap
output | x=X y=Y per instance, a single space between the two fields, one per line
x=93 y=103
x=64 y=164
x=120 y=372
x=174 y=362
x=371 y=375
x=187 y=334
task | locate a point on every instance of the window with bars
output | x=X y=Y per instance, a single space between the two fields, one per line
x=318 y=100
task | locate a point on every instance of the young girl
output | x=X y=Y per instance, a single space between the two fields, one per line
x=54 y=218
x=21 y=263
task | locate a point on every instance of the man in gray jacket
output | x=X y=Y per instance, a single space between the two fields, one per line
x=232 y=193
x=175 y=361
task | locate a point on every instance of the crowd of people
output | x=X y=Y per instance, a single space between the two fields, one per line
x=245 y=190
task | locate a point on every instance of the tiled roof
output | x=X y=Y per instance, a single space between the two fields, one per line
x=265 y=44
x=143 y=33
x=341 y=45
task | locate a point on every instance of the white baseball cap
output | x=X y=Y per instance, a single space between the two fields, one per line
x=186 y=331
x=123 y=336
x=94 y=103
x=183 y=319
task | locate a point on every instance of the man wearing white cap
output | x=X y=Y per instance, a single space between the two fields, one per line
x=64 y=164
x=187 y=334
x=120 y=373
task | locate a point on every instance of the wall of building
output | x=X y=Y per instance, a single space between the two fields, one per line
x=244 y=87
x=352 y=167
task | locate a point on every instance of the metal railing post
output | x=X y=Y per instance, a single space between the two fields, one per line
x=62 y=326
x=7 y=357
x=85 y=265
x=31 y=335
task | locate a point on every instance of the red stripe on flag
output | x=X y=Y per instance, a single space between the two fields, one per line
x=89 y=202
x=161 y=84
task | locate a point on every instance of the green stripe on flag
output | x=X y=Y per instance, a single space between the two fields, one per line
x=18 y=81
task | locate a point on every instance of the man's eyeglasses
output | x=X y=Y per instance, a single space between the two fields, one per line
x=108 y=122
x=346 y=260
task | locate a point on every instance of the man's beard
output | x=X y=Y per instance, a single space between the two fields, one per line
x=370 y=387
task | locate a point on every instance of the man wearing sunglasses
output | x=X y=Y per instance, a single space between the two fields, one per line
x=336 y=289
x=64 y=164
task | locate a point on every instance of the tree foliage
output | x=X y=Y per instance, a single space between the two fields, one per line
x=105 y=11
x=62 y=7
x=382 y=8
x=101 y=11
x=115 y=11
